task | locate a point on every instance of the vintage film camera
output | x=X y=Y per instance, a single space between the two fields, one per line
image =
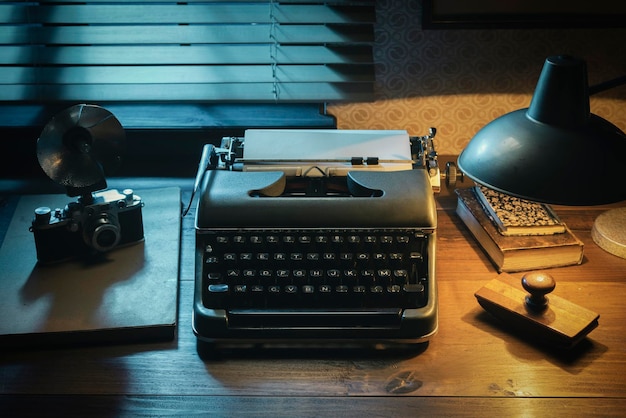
x=77 y=149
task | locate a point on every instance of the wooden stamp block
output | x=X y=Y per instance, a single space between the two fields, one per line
x=525 y=308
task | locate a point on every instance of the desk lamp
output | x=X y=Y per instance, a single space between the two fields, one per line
x=555 y=151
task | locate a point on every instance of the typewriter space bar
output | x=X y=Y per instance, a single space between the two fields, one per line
x=314 y=318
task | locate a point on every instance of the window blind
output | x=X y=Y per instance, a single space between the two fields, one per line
x=186 y=52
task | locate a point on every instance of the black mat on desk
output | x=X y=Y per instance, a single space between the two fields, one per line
x=128 y=295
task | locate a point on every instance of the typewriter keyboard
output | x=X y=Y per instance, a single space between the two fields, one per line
x=329 y=269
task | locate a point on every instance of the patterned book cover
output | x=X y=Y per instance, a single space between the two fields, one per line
x=515 y=216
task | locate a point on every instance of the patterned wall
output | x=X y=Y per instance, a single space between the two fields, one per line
x=459 y=80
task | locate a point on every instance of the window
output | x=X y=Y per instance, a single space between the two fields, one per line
x=158 y=53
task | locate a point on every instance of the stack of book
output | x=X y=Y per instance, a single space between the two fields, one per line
x=517 y=234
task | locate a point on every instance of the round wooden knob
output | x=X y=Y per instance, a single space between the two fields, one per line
x=538 y=284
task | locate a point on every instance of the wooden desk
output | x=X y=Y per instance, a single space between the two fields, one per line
x=472 y=367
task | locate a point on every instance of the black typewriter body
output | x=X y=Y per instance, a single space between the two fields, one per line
x=349 y=261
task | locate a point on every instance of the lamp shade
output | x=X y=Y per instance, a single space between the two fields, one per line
x=555 y=151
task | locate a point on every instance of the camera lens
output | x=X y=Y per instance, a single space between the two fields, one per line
x=105 y=234
x=106 y=237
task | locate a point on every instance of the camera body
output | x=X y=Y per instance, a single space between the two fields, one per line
x=95 y=223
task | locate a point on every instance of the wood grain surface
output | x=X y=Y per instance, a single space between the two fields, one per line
x=474 y=366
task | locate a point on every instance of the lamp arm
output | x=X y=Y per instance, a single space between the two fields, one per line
x=607 y=85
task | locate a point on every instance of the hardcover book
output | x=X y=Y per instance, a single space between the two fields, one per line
x=128 y=296
x=510 y=253
x=515 y=216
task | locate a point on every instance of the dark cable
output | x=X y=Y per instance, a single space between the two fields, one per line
x=607 y=85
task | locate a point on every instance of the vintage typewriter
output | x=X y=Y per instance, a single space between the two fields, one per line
x=316 y=236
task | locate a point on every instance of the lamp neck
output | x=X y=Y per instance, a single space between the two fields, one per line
x=561 y=97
